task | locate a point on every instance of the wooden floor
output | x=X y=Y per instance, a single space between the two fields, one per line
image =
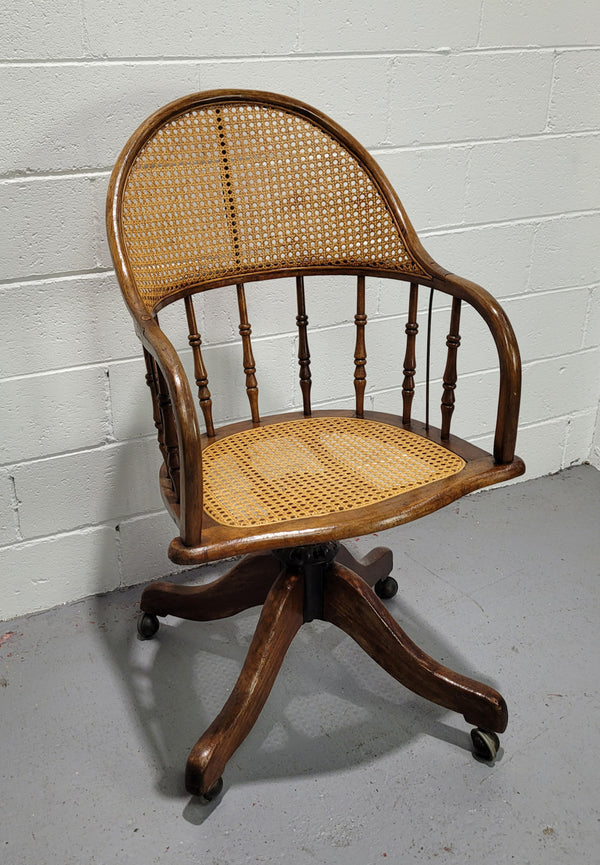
x=344 y=765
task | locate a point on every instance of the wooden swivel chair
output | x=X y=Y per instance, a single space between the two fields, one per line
x=226 y=187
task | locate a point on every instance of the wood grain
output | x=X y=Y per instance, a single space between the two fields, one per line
x=281 y=617
x=354 y=608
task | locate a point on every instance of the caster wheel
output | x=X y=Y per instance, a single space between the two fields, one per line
x=485 y=743
x=386 y=588
x=213 y=792
x=147 y=625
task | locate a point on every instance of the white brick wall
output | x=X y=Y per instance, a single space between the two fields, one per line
x=484 y=114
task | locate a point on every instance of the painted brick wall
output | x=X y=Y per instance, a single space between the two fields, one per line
x=486 y=116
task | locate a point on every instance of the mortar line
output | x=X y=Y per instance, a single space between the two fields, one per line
x=381 y=149
x=181 y=59
x=85 y=528
x=53 y=277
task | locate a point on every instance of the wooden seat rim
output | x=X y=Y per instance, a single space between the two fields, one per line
x=219 y=541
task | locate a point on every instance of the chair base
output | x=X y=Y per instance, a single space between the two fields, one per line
x=294 y=586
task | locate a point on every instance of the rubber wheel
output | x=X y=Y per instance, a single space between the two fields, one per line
x=386 y=588
x=485 y=743
x=147 y=625
x=213 y=792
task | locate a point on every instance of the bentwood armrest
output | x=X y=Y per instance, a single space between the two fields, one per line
x=186 y=423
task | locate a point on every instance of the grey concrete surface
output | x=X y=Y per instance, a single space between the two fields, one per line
x=344 y=765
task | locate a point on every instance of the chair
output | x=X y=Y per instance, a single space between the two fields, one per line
x=227 y=187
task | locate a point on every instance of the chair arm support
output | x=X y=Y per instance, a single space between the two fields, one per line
x=186 y=423
x=509 y=396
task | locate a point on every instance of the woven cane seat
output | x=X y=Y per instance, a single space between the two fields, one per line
x=316 y=466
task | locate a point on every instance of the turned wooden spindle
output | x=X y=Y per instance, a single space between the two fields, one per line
x=428 y=359
x=170 y=431
x=360 y=351
x=410 y=357
x=450 y=374
x=151 y=381
x=248 y=357
x=200 y=373
x=303 y=352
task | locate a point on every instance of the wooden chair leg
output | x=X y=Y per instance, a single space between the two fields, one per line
x=354 y=608
x=375 y=566
x=246 y=585
x=281 y=617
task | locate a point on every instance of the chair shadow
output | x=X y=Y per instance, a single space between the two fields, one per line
x=332 y=707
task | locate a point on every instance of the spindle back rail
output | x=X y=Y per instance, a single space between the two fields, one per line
x=229 y=187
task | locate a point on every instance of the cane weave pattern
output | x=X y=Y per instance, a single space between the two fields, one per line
x=316 y=466
x=239 y=187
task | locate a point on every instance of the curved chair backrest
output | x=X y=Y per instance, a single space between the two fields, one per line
x=227 y=186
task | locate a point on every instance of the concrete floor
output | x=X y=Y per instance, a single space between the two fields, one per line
x=344 y=765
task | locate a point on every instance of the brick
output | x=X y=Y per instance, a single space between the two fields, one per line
x=173 y=321
x=594 y=456
x=271 y=311
x=475 y=409
x=564 y=252
x=550 y=324
x=33 y=30
x=393 y=299
x=579 y=436
x=457 y=97
x=52 y=413
x=8 y=518
x=130 y=400
x=570 y=383
x=143 y=543
x=356 y=27
x=574 y=104
x=591 y=336
x=50 y=571
x=186 y=29
x=476 y=406
x=47 y=227
x=99 y=189
x=349 y=90
x=80 y=116
x=347 y=402
x=64 y=322
x=543 y=23
x=332 y=363
x=276 y=374
x=386 y=345
x=495 y=256
x=102 y=485
x=430 y=182
x=541 y=447
x=515 y=179
x=272 y=305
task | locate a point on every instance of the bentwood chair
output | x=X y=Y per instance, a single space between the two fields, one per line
x=228 y=187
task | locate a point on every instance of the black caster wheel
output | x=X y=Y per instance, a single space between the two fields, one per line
x=386 y=588
x=147 y=625
x=485 y=743
x=213 y=792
